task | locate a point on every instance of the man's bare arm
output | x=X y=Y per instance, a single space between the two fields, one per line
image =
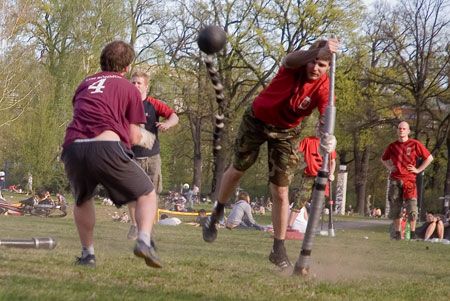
x=168 y=123
x=300 y=58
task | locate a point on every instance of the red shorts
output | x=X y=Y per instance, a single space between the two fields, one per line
x=409 y=190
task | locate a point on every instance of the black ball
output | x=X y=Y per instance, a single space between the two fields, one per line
x=211 y=39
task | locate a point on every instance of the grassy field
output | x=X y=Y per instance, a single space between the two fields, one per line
x=357 y=264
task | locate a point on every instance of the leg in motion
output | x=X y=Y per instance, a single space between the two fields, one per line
x=228 y=185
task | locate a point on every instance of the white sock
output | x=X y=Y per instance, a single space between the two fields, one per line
x=85 y=251
x=145 y=237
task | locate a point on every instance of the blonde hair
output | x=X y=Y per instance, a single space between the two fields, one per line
x=141 y=74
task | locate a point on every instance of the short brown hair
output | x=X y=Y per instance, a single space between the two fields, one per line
x=116 y=56
x=320 y=44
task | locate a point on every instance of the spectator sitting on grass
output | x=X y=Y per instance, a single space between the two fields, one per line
x=378 y=213
x=201 y=218
x=165 y=220
x=180 y=202
x=241 y=214
x=115 y=217
x=44 y=198
x=41 y=198
x=60 y=199
x=432 y=228
x=260 y=209
x=15 y=188
x=301 y=220
x=124 y=218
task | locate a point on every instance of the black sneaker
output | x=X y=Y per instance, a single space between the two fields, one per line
x=209 y=228
x=148 y=253
x=280 y=259
x=88 y=261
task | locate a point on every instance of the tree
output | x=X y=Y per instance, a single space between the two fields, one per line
x=64 y=39
x=15 y=90
x=259 y=35
x=416 y=41
x=363 y=102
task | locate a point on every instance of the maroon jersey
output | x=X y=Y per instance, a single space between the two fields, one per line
x=403 y=154
x=290 y=97
x=104 y=101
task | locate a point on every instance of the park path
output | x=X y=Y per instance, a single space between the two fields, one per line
x=356 y=224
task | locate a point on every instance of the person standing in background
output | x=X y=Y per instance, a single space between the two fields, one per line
x=400 y=159
x=150 y=159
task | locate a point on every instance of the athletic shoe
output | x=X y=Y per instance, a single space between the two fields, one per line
x=209 y=228
x=413 y=235
x=397 y=235
x=280 y=259
x=153 y=245
x=88 y=261
x=132 y=233
x=142 y=250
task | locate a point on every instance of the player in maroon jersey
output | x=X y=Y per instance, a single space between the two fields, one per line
x=107 y=113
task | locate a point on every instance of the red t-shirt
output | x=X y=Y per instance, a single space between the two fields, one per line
x=309 y=146
x=161 y=108
x=104 y=101
x=403 y=154
x=290 y=97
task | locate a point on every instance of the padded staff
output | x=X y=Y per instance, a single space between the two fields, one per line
x=34 y=243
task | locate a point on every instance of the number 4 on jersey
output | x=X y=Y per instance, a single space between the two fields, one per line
x=97 y=86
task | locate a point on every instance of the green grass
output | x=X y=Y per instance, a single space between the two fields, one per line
x=235 y=267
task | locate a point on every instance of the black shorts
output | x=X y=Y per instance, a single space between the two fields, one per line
x=88 y=164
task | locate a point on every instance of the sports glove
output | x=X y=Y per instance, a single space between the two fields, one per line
x=327 y=143
x=147 y=139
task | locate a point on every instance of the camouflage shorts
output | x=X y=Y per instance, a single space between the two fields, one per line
x=152 y=167
x=281 y=144
x=300 y=195
x=396 y=202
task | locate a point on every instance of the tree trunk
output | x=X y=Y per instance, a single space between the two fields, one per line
x=197 y=177
x=361 y=172
x=447 y=175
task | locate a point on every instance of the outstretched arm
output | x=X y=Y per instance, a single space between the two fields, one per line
x=300 y=58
